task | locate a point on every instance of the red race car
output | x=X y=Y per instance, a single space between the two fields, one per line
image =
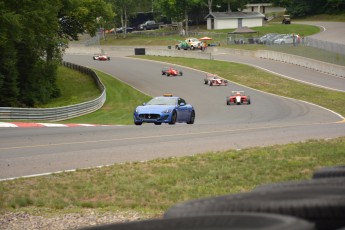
x=101 y=57
x=214 y=79
x=238 y=98
x=170 y=71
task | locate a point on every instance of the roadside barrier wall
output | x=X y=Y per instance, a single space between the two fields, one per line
x=324 y=67
x=179 y=53
x=320 y=66
x=58 y=113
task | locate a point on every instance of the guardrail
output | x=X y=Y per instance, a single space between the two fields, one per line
x=324 y=67
x=59 y=113
x=179 y=53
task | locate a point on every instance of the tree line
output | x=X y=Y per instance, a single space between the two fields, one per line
x=34 y=34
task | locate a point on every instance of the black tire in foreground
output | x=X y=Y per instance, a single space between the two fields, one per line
x=243 y=221
x=322 y=182
x=324 y=206
x=327 y=172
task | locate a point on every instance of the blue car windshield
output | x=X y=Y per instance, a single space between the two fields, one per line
x=162 y=101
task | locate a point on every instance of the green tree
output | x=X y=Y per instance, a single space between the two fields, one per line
x=178 y=10
x=335 y=6
x=32 y=35
x=299 y=8
x=9 y=35
x=123 y=10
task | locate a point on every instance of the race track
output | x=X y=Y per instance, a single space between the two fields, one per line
x=268 y=120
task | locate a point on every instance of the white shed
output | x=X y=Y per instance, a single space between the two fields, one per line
x=232 y=20
x=263 y=8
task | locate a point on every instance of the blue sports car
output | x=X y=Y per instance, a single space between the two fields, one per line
x=164 y=109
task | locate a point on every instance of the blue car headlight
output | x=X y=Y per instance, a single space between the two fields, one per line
x=167 y=111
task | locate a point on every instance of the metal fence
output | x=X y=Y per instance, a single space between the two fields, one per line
x=58 y=113
x=312 y=48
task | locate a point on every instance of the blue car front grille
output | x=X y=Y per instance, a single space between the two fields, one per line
x=149 y=116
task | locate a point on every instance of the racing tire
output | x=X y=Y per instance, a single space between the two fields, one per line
x=205 y=82
x=248 y=100
x=322 y=182
x=192 y=118
x=108 y=58
x=244 y=221
x=93 y=58
x=211 y=84
x=168 y=74
x=173 y=118
x=138 y=123
x=322 y=205
x=157 y=123
x=330 y=172
x=227 y=102
x=163 y=73
x=181 y=73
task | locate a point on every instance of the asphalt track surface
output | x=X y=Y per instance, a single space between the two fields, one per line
x=268 y=120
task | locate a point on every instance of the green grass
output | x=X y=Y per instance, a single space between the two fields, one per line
x=75 y=88
x=305 y=30
x=153 y=186
x=119 y=106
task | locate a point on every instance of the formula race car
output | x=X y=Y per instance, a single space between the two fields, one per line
x=213 y=79
x=164 y=109
x=170 y=71
x=238 y=97
x=101 y=57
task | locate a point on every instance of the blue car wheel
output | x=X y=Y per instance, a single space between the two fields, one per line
x=173 y=118
x=192 y=118
x=138 y=123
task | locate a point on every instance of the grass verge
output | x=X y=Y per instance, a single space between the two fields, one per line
x=75 y=88
x=121 y=101
x=153 y=186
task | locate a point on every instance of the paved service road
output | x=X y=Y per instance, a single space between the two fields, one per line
x=331 y=31
x=268 y=120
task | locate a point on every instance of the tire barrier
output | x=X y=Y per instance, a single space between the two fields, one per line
x=322 y=182
x=179 y=53
x=324 y=206
x=59 y=113
x=320 y=201
x=327 y=172
x=243 y=221
x=308 y=204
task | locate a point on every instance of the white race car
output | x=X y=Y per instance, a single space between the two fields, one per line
x=213 y=79
x=101 y=57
